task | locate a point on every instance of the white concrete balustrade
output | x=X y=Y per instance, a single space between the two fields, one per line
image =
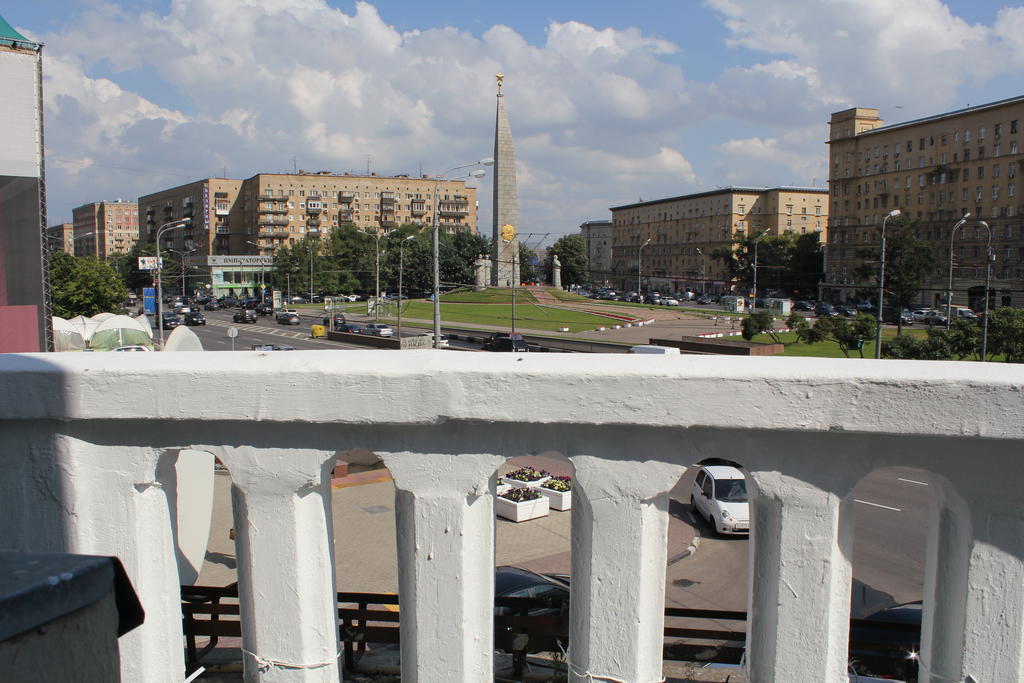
x=89 y=442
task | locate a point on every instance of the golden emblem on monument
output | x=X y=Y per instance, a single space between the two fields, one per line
x=508 y=232
x=501 y=80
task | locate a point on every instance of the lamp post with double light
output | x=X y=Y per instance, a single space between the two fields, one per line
x=476 y=173
x=376 y=270
x=881 y=284
x=703 y=286
x=949 y=285
x=639 y=270
x=401 y=269
x=989 y=258
x=172 y=225
x=757 y=240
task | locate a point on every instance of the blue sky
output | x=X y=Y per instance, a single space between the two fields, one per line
x=609 y=102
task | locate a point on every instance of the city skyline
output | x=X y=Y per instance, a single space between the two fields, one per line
x=609 y=105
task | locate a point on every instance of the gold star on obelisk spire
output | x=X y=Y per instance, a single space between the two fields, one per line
x=501 y=80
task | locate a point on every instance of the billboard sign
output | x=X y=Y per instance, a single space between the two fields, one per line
x=149 y=300
x=149 y=262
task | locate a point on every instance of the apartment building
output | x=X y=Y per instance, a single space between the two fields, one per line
x=59 y=238
x=598 y=237
x=934 y=170
x=269 y=210
x=685 y=230
x=102 y=229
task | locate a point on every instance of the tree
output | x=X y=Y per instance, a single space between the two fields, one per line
x=128 y=266
x=803 y=265
x=572 y=254
x=774 y=259
x=848 y=333
x=1006 y=334
x=908 y=262
x=759 y=323
x=527 y=261
x=84 y=286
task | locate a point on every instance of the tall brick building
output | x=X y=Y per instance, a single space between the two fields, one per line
x=934 y=170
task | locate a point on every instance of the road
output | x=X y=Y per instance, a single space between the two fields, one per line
x=891 y=511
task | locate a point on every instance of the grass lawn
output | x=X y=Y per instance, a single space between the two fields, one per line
x=563 y=295
x=827 y=349
x=488 y=296
x=527 y=315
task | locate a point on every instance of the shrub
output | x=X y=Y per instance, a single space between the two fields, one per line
x=562 y=484
x=526 y=474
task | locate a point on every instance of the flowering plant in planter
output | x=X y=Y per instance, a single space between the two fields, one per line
x=521 y=495
x=562 y=484
x=527 y=474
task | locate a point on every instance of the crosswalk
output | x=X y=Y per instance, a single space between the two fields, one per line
x=275 y=331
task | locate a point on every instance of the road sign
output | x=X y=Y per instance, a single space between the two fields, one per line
x=232 y=332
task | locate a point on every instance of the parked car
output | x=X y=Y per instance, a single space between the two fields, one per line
x=823 y=310
x=893 y=317
x=213 y=305
x=182 y=308
x=706 y=299
x=170 y=320
x=272 y=347
x=287 y=317
x=352 y=328
x=297 y=300
x=195 y=318
x=803 y=306
x=845 y=311
x=921 y=314
x=506 y=342
x=443 y=339
x=245 y=315
x=887 y=652
x=668 y=301
x=132 y=347
x=720 y=496
x=265 y=308
x=378 y=330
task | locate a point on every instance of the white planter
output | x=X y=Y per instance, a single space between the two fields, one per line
x=559 y=500
x=520 y=512
x=501 y=488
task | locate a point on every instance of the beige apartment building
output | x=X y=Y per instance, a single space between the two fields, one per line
x=684 y=231
x=598 y=236
x=268 y=210
x=934 y=170
x=102 y=229
x=59 y=238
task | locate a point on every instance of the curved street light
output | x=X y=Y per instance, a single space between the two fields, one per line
x=172 y=225
x=989 y=258
x=757 y=240
x=949 y=286
x=639 y=255
x=881 y=285
x=477 y=173
x=401 y=269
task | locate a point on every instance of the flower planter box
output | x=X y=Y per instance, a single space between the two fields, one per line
x=520 y=512
x=515 y=483
x=501 y=488
x=559 y=500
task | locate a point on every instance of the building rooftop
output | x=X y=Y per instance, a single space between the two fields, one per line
x=11 y=38
x=946 y=115
x=722 y=190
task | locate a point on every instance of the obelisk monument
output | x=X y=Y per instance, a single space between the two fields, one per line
x=505 y=252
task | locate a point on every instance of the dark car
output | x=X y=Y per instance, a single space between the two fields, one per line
x=882 y=643
x=244 y=315
x=803 y=306
x=550 y=590
x=825 y=311
x=170 y=320
x=195 y=318
x=353 y=328
x=229 y=302
x=334 y=322
x=213 y=305
x=845 y=311
x=265 y=308
x=903 y=317
x=507 y=342
x=288 y=318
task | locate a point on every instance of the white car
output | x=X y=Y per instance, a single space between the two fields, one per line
x=720 y=496
x=922 y=315
x=668 y=301
x=378 y=330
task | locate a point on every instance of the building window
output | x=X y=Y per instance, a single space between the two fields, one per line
x=981 y=133
x=995 y=170
x=967 y=136
x=995 y=192
x=1013 y=126
x=1013 y=147
x=967 y=174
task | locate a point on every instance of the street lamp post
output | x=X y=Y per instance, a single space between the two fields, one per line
x=989 y=258
x=639 y=270
x=949 y=287
x=881 y=284
x=477 y=173
x=376 y=269
x=757 y=240
x=263 y=273
x=703 y=286
x=401 y=268
x=172 y=225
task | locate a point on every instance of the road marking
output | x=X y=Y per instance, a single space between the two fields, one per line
x=877 y=505
x=912 y=481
